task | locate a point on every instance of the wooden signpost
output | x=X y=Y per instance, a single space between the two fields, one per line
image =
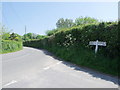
x=97 y=43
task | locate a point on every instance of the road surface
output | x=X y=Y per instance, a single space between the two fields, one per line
x=34 y=68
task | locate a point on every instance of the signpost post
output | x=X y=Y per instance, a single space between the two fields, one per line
x=97 y=43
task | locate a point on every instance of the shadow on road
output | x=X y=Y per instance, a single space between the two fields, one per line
x=94 y=73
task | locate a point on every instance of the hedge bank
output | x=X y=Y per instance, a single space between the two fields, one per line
x=10 y=46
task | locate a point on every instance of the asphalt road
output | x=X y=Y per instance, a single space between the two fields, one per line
x=33 y=68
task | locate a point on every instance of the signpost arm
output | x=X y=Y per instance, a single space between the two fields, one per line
x=97 y=43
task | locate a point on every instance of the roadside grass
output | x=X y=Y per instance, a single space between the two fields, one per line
x=87 y=58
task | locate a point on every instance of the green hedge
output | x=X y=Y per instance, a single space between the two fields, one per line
x=10 y=46
x=72 y=44
x=81 y=35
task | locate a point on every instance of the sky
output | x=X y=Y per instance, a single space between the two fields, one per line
x=42 y=16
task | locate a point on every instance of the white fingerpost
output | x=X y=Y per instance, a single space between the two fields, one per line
x=96 y=48
x=97 y=43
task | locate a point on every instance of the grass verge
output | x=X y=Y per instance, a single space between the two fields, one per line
x=87 y=58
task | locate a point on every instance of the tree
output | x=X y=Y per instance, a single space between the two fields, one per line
x=64 y=23
x=12 y=36
x=85 y=20
x=28 y=36
x=40 y=37
x=51 y=32
x=34 y=36
x=15 y=36
x=18 y=37
x=4 y=33
x=5 y=36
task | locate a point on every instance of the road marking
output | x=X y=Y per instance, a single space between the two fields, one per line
x=12 y=82
x=73 y=68
x=46 y=68
x=59 y=62
x=52 y=65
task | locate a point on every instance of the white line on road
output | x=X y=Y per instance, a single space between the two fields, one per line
x=13 y=81
x=46 y=68
x=52 y=65
x=59 y=62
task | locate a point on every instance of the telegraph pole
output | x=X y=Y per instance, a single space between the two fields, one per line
x=25 y=32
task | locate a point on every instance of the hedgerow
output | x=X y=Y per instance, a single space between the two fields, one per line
x=72 y=44
x=81 y=35
x=10 y=46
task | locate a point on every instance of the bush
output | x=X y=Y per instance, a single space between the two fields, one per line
x=10 y=46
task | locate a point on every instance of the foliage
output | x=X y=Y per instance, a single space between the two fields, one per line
x=64 y=23
x=51 y=32
x=9 y=42
x=14 y=36
x=3 y=30
x=4 y=33
x=85 y=20
x=30 y=36
x=10 y=46
x=40 y=37
x=5 y=36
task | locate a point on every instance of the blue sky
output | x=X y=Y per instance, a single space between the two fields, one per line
x=42 y=16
